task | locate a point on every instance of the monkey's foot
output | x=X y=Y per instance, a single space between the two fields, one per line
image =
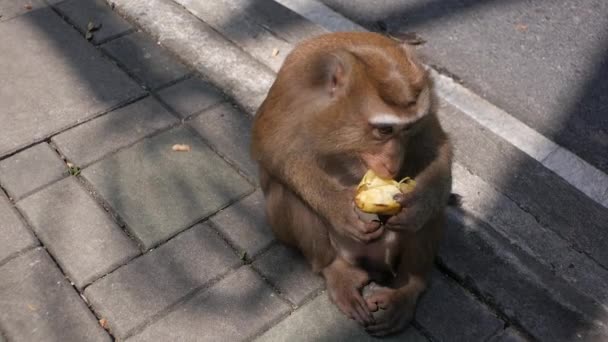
x=344 y=283
x=392 y=309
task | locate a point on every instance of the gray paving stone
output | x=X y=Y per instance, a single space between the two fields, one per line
x=232 y=20
x=77 y=231
x=567 y=211
x=244 y=224
x=159 y=192
x=448 y=313
x=228 y=131
x=282 y=21
x=234 y=309
x=81 y=12
x=143 y=288
x=30 y=170
x=191 y=96
x=95 y=139
x=38 y=304
x=15 y=236
x=57 y=78
x=227 y=66
x=12 y=8
x=544 y=305
x=508 y=335
x=145 y=59
x=289 y=272
x=321 y=321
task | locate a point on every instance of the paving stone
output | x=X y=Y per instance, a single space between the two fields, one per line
x=77 y=231
x=289 y=271
x=145 y=59
x=228 y=131
x=81 y=12
x=282 y=21
x=38 y=304
x=30 y=170
x=232 y=20
x=95 y=139
x=233 y=70
x=191 y=96
x=448 y=313
x=159 y=192
x=525 y=291
x=12 y=8
x=508 y=335
x=234 y=309
x=141 y=289
x=321 y=321
x=567 y=211
x=14 y=234
x=244 y=224
x=56 y=79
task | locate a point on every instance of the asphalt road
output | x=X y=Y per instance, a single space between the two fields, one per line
x=544 y=62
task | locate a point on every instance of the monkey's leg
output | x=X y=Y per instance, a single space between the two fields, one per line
x=295 y=224
x=398 y=300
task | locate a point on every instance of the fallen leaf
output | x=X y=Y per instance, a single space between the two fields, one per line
x=28 y=7
x=275 y=52
x=521 y=27
x=69 y=164
x=32 y=307
x=411 y=38
x=181 y=148
x=104 y=323
x=91 y=26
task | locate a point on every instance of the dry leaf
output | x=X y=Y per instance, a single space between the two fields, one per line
x=104 y=323
x=32 y=307
x=181 y=148
x=521 y=27
x=411 y=38
x=275 y=52
x=28 y=7
x=70 y=165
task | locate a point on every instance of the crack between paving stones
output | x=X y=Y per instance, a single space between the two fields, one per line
x=469 y=286
x=181 y=301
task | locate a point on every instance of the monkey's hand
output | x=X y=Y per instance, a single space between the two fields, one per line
x=348 y=223
x=416 y=209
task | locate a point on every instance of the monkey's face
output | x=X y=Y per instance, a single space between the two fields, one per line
x=393 y=99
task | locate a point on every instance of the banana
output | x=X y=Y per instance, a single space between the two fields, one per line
x=375 y=195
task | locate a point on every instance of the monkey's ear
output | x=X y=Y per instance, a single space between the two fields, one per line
x=332 y=72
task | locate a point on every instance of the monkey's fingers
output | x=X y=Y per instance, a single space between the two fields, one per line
x=369 y=235
x=407 y=199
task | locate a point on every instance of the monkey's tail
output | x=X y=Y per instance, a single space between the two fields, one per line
x=455 y=200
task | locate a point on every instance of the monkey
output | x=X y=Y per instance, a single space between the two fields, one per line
x=343 y=103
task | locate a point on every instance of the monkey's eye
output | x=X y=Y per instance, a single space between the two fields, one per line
x=382 y=131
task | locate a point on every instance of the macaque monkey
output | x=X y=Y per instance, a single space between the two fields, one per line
x=341 y=104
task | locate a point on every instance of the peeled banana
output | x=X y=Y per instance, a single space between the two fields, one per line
x=375 y=194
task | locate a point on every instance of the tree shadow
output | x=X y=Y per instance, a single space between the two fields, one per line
x=579 y=224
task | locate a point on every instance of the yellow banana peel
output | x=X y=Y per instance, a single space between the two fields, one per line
x=375 y=194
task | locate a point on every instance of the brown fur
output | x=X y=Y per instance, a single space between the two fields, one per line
x=313 y=143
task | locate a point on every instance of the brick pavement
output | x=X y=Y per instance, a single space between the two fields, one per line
x=143 y=243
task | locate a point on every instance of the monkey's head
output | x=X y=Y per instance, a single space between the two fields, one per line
x=359 y=95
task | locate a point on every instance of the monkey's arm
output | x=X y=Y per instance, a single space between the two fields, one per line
x=325 y=195
x=433 y=188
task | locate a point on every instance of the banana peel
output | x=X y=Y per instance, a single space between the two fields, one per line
x=375 y=195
